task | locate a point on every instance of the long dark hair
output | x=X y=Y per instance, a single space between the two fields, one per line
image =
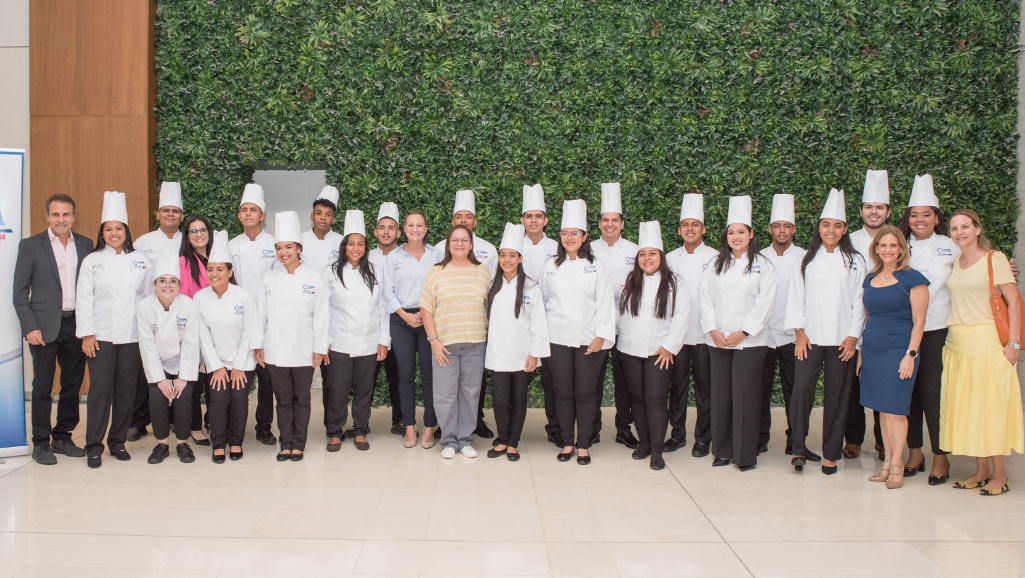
x=194 y=259
x=448 y=246
x=498 y=282
x=231 y=278
x=101 y=244
x=631 y=296
x=905 y=223
x=723 y=260
x=845 y=245
x=363 y=265
x=585 y=251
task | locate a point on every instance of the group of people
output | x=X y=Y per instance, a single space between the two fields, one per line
x=895 y=319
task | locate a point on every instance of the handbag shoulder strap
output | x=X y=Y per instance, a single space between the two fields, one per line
x=989 y=264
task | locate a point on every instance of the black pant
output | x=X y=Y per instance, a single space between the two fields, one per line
x=160 y=411
x=784 y=355
x=292 y=393
x=548 y=389
x=112 y=387
x=620 y=395
x=202 y=387
x=648 y=387
x=573 y=375
x=65 y=350
x=737 y=403
x=140 y=410
x=228 y=409
x=692 y=361
x=264 y=399
x=509 y=397
x=854 y=430
x=408 y=343
x=355 y=374
x=391 y=374
x=480 y=400
x=836 y=391
x=925 y=397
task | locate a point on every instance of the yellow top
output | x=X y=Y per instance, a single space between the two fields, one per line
x=456 y=297
x=969 y=290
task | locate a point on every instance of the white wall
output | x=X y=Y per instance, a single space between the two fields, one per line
x=290 y=191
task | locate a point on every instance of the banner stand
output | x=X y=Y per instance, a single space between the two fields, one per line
x=13 y=439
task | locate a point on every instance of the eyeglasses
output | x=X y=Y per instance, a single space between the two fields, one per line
x=198 y=231
x=172 y=282
x=574 y=233
x=456 y=241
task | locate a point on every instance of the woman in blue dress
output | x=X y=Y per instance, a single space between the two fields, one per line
x=896 y=300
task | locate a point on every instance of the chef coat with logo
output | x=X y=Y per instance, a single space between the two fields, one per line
x=251 y=260
x=359 y=322
x=787 y=265
x=691 y=267
x=511 y=339
x=295 y=311
x=319 y=254
x=826 y=302
x=934 y=258
x=110 y=286
x=642 y=335
x=579 y=302
x=737 y=300
x=230 y=324
x=169 y=340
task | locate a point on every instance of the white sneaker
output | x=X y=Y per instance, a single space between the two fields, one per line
x=468 y=451
x=448 y=453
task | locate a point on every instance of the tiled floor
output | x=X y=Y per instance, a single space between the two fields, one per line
x=394 y=512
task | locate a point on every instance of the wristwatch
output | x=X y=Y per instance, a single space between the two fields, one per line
x=1015 y=344
x=912 y=353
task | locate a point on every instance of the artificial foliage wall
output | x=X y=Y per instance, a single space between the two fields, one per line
x=409 y=101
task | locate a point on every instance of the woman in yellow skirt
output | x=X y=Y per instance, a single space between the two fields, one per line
x=980 y=411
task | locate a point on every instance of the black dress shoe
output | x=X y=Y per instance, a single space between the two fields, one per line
x=497 y=441
x=554 y=438
x=763 y=448
x=136 y=433
x=640 y=453
x=218 y=459
x=283 y=457
x=185 y=454
x=746 y=468
x=296 y=456
x=205 y=442
x=812 y=456
x=160 y=451
x=265 y=437
x=658 y=464
x=483 y=431
x=513 y=457
x=398 y=429
x=596 y=438
x=789 y=451
x=67 y=447
x=626 y=437
x=564 y=456
x=121 y=454
x=939 y=480
x=912 y=472
x=798 y=463
x=43 y=455
x=583 y=460
x=829 y=470
x=699 y=450
x=94 y=460
x=718 y=462
x=493 y=453
x=235 y=456
x=673 y=444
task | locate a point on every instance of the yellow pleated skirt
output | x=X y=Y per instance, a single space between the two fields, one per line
x=980 y=398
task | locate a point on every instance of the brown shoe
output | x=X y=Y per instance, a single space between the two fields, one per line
x=361 y=445
x=851 y=451
x=334 y=444
x=882 y=452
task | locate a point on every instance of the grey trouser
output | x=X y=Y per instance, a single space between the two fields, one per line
x=456 y=392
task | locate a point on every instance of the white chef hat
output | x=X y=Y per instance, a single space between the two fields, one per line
x=650 y=236
x=877 y=188
x=783 y=209
x=512 y=238
x=693 y=207
x=167 y=264
x=611 y=198
x=354 y=223
x=114 y=208
x=836 y=206
x=464 y=202
x=219 y=252
x=533 y=199
x=253 y=193
x=388 y=210
x=287 y=228
x=574 y=215
x=329 y=194
x=922 y=193
x=171 y=195
x=740 y=211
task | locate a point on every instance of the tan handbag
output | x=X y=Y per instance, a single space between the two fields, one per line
x=999 y=305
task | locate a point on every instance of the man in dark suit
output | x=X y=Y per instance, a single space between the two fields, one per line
x=45 y=276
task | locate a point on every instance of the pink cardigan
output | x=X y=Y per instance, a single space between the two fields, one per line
x=188 y=285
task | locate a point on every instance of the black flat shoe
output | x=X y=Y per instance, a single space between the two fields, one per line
x=235 y=456
x=205 y=443
x=763 y=448
x=939 y=480
x=798 y=463
x=718 y=462
x=160 y=452
x=67 y=447
x=496 y=442
x=673 y=444
x=812 y=456
x=640 y=453
x=398 y=429
x=554 y=439
x=94 y=460
x=122 y=455
x=699 y=450
x=218 y=459
x=657 y=464
x=626 y=437
x=564 y=456
x=746 y=468
x=493 y=453
x=266 y=438
x=596 y=438
x=185 y=454
x=512 y=457
x=136 y=433
x=296 y=457
x=283 y=457
x=913 y=471
x=829 y=470
x=583 y=460
x=350 y=433
x=483 y=431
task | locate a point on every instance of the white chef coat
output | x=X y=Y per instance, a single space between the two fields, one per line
x=295 y=315
x=155 y=242
x=787 y=265
x=485 y=252
x=379 y=260
x=511 y=339
x=690 y=267
x=251 y=260
x=934 y=258
x=319 y=254
x=534 y=256
x=826 y=302
x=230 y=322
x=862 y=240
x=739 y=301
x=579 y=302
x=619 y=258
x=109 y=289
x=643 y=335
x=404 y=277
x=359 y=322
x=169 y=340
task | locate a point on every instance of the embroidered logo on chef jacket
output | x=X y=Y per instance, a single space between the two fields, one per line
x=703 y=267
x=526 y=300
x=481 y=255
x=334 y=253
x=139 y=264
x=756 y=268
x=631 y=260
x=590 y=268
x=269 y=254
x=309 y=289
x=944 y=252
x=182 y=321
x=239 y=310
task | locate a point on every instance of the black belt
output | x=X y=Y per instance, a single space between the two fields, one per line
x=66 y=314
x=413 y=310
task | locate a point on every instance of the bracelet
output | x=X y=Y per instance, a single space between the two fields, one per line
x=430 y=339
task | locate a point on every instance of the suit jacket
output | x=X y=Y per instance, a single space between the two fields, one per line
x=38 y=296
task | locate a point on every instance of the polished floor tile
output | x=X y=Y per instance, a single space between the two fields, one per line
x=265 y=555
x=676 y=560
x=87 y=551
x=833 y=558
x=456 y=557
x=184 y=522
x=976 y=558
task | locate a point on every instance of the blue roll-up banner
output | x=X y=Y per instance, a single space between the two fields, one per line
x=13 y=441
